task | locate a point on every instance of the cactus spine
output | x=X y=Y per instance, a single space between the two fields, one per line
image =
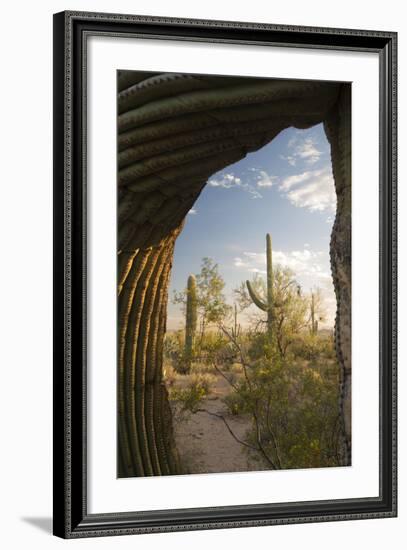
x=190 y=323
x=265 y=305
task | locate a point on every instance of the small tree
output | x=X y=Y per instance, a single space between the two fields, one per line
x=292 y=407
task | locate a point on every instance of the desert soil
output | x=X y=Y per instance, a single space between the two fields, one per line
x=204 y=442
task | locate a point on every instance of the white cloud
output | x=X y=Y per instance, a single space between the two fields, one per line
x=250 y=184
x=290 y=181
x=226 y=180
x=193 y=211
x=305 y=263
x=313 y=189
x=302 y=149
x=290 y=159
x=265 y=180
x=230 y=181
x=307 y=151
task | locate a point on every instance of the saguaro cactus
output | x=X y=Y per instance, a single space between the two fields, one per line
x=314 y=322
x=190 y=322
x=236 y=326
x=265 y=305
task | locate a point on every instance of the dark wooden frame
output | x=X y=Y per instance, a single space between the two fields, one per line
x=71 y=518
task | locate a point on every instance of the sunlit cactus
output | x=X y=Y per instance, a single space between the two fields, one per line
x=190 y=322
x=266 y=305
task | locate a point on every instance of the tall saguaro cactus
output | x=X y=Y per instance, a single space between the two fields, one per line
x=190 y=322
x=267 y=304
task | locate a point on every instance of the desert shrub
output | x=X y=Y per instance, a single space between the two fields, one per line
x=170 y=375
x=202 y=380
x=190 y=397
x=313 y=347
x=173 y=345
x=236 y=368
x=213 y=342
x=174 y=351
x=294 y=411
x=328 y=346
x=234 y=403
x=258 y=346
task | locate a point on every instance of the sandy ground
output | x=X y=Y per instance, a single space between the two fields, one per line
x=204 y=442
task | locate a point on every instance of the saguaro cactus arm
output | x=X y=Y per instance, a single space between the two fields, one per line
x=255 y=298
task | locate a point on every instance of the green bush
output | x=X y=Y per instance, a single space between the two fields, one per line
x=294 y=411
x=234 y=403
x=190 y=398
x=314 y=347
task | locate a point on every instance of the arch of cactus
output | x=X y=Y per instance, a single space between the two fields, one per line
x=174 y=132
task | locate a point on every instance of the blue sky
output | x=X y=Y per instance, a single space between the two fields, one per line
x=285 y=189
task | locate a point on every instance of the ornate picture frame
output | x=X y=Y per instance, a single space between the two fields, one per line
x=72 y=516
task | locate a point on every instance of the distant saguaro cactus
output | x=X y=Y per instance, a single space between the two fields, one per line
x=267 y=304
x=190 y=322
x=314 y=322
x=236 y=326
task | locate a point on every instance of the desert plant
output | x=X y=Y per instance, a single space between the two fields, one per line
x=202 y=380
x=190 y=322
x=294 y=413
x=211 y=306
x=174 y=350
x=236 y=329
x=292 y=405
x=317 y=311
x=170 y=375
x=314 y=347
x=190 y=397
x=288 y=307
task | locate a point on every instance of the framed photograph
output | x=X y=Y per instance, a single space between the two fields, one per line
x=224 y=274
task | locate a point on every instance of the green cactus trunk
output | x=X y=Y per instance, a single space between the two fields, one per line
x=190 y=324
x=266 y=305
x=270 y=282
